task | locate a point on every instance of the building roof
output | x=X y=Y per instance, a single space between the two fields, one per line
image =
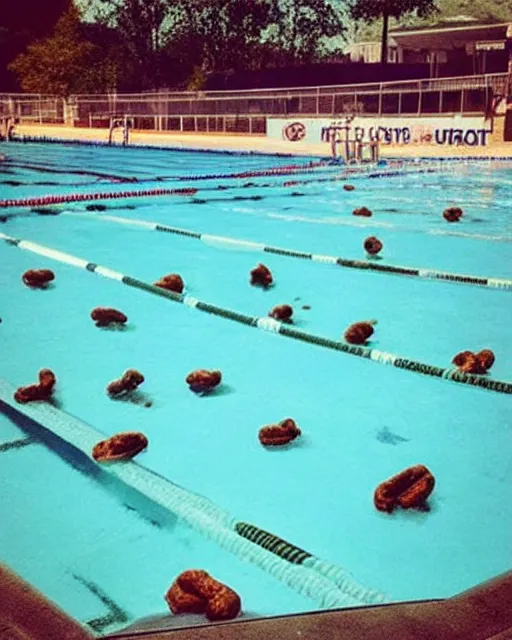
x=448 y=35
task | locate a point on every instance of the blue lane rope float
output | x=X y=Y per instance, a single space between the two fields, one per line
x=247 y=245
x=316 y=579
x=268 y=324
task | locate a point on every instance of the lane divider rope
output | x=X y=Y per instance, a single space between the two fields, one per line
x=80 y=197
x=247 y=245
x=384 y=225
x=202 y=515
x=381 y=357
x=341 y=577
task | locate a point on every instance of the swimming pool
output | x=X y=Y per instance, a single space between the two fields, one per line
x=106 y=553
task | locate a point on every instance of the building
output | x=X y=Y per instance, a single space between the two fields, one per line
x=452 y=48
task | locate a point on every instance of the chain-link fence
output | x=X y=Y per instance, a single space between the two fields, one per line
x=247 y=111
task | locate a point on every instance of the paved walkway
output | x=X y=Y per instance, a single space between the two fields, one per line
x=258 y=143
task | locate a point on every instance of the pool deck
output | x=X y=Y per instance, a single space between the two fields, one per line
x=482 y=613
x=260 y=144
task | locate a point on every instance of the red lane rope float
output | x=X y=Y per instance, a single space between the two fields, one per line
x=79 y=197
x=408 y=489
x=273 y=171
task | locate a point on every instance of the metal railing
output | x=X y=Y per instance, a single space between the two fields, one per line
x=247 y=111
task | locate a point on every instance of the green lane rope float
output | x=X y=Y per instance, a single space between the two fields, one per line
x=317 y=580
x=267 y=323
x=246 y=245
x=271 y=542
x=342 y=578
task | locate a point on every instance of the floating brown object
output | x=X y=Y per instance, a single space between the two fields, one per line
x=104 y=316
x=372 y=245
x=202 y=380
x=362 y=211
x=261 y=276
x=130 y=380
x=408 y=489
x=38 y=278
x=279 y=434
x=486 y=358
x=171 y=282
x=282 y=312
x=41 y=391
x=195 y=591
x=122 y=446
x=452 y=214
x=348 y=187
x=469 y=362
x=359 y=332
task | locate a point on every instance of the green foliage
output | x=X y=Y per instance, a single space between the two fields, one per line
x=63 y=63
x=180 y=42
x=22 y=22
x=140 y=27
x=480 y=10
x=370 y=10
x=197 y=79
x=300 y=28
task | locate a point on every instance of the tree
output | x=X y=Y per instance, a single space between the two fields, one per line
x=300 y=28
x=140 y=25
x=22 y=22
x=207 y=36
x=64 y=63
x=370 y=10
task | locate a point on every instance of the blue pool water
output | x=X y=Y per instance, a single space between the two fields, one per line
x=70 y=527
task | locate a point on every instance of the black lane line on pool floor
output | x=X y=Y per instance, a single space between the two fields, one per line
x=17 y=444
x=209 y=239
x=268 y=324
x=115 y=615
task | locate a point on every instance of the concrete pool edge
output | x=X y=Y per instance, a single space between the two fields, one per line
x=479 y=613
